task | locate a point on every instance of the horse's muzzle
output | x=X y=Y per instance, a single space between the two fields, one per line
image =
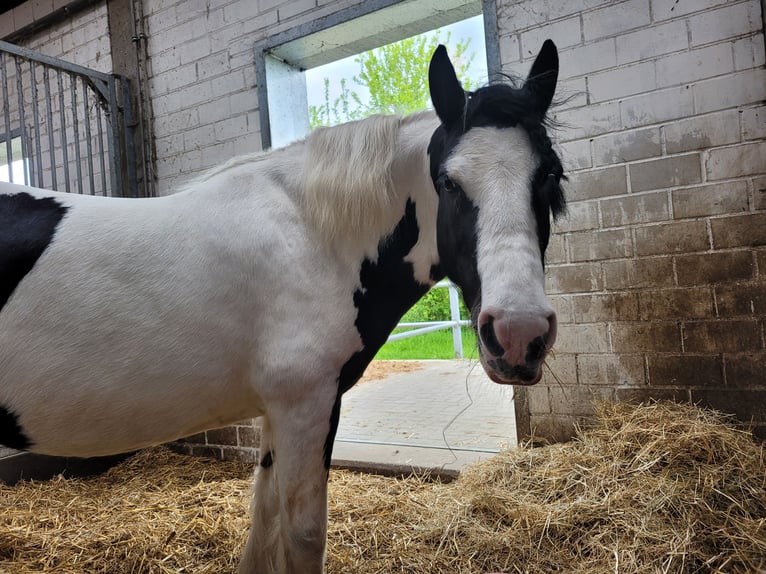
x=513 y=347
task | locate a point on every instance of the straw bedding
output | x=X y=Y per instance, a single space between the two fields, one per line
x=656 y=488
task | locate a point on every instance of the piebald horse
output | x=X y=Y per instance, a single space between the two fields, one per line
x=266 y=286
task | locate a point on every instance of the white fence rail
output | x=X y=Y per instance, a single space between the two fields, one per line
x=455 y=322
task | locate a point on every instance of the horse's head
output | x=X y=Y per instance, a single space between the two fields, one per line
x=497 y=177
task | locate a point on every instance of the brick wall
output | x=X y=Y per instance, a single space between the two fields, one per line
x=658 y=271
x=203 y=84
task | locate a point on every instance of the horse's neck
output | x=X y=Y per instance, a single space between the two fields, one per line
x=350 y=239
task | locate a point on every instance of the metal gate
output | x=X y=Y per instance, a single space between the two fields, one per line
x=65 y=127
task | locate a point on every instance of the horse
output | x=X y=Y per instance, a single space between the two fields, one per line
x=266 y=286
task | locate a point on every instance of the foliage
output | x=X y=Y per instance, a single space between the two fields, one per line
x=394 y=75
x=437 y=345
x=434 y=306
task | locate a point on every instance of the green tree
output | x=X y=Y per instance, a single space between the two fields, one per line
x=395 y=77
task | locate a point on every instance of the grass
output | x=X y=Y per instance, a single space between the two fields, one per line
x=436 y=345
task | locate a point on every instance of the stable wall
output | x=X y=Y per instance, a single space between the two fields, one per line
x=658 y=272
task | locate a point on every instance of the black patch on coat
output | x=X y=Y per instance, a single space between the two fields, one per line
x=11 y=434
x=388 y=289
x=27 y=227
x=267 y=460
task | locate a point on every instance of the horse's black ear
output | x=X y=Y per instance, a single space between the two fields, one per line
x=447 y=94
x=543 y=75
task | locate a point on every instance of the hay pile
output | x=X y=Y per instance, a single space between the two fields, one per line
x=657 y=488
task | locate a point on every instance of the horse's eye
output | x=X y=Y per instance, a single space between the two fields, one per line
x=447 y=184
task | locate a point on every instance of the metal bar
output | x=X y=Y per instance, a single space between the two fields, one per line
x=62 y=114
x=454 y=312
x=113 y=138
x=36 y=118
x=76 y=128
x=462 y=323
x=51 y=141
x=416 y=332
x=6 y=116
x=54 y=62
x=88 y=143
x=101 y=154
x=22 y=121
x=130 y=138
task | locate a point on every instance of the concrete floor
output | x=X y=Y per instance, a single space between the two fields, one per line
x=438 y=417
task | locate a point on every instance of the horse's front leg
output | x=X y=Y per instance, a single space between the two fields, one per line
x=289 y=528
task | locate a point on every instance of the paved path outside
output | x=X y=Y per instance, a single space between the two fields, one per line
x=411 y=420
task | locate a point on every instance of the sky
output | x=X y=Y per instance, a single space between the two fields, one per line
x=471 y=28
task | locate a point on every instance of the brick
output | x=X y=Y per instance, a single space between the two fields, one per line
x=666 y=9
x=657 y=106
x=528 y=13
x=563 y=366
x=754 y=123
x=676 y=237
x=746 y=405
x=605 y=307
x=510 y=51
x=567 y=34
x=692 y=66
x=722 y=336
x=642 y=336
x=739 y=230
x=598 y=245
x=590 y=338
x=538 y=399
x=709 y=268
x=627 y=146
x=222 y=436
x=760 y=257
x=573 y=278
x=198 y=438
x=580 y=215
x=666 y=172
x=575 y=154
x=249 y=436
x=716 y=199
x=694 y=303
x=746 y=370
x=722 y=24
x=591 y=57
x=563 y=307
x=737 y=299
x=685 y=370
x=735 y=161
x=612 y=369
x=759 y=193
x=748 y=53
x=556 y=252
x=730 y=91
x=702 y=132
x=652 y=42
x=578 y=401
x=244 y=455
x=653 y=272
x=615 y=19
x=587 y=121
x=597 y=183
x=632 y=209
x=621 y=82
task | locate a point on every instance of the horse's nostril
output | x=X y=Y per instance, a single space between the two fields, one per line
x=488 y=337
x=536 y=349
